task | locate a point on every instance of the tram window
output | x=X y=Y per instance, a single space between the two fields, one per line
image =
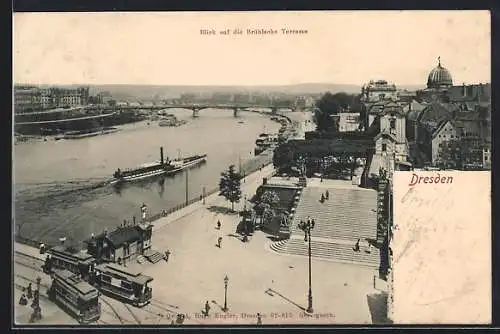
x=106 y=278
x=126 y=285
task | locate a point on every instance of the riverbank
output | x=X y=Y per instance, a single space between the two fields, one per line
x=260 y=280
x=58 y=195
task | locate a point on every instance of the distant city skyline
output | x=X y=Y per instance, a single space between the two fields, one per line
x=167 y=49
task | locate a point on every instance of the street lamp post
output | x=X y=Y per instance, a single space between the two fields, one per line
x=226 y=280
x=307 y=227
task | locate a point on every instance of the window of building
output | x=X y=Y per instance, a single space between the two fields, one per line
x=384 y=147
x=393 y=123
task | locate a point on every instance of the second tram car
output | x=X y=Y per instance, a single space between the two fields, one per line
x=59 y=258
x=120 y=283
x=78 y=297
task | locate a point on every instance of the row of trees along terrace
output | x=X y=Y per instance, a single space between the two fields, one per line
x=332 y=104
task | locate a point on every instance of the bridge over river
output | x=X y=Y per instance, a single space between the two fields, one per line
x=105 y=111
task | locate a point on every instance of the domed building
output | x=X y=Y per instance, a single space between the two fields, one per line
x=439 y=77
x=438 y=83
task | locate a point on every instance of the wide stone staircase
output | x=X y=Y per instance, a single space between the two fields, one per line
x=348 y=214
x=154 y=256
x=328 y=251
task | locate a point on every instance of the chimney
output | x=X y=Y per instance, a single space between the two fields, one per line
x=161 y=155
x=133 y=218
x=464 y=90
x=105 y=232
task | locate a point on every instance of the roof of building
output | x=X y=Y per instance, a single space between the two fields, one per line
x=474 y=92
x=472 y=116
x=385 y=134
x=376 y=108
x=433 y=114
x=440 y=127
x=439 y=77
x=123 y=234
x=392 y=107
x=413 y=106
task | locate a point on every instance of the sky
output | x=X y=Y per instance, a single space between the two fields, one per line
x=159 y=48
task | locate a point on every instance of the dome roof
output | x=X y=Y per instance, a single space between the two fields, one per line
x=439 y=77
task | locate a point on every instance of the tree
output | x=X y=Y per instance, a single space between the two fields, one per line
x=268 y=202
x=459 y=153
x=229 y=185
x=332 y=104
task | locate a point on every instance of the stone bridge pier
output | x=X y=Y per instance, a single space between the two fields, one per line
x=235 y=111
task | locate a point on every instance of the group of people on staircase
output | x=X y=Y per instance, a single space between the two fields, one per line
x=356 y=247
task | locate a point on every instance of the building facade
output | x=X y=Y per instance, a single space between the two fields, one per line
x=347 y=121
x=31 y=98
x=378 y=90
x=443 y=134
x=123 y=244
x=393 y=123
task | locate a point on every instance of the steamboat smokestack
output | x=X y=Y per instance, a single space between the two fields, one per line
x=161 y=155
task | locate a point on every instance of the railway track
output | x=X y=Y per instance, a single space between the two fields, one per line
x=156 y=310
x=133 y=314
x=121 y=310
x=113 y=312
x=28 y=261
x=35 y=264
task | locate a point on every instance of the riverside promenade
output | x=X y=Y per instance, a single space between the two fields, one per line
x=260 y=280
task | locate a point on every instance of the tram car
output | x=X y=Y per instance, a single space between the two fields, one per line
x=77 y=297
x=59 y=258
x=122 y=284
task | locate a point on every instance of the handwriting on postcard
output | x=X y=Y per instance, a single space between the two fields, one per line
x=441 y=247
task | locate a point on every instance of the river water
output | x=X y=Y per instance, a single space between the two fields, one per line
x=54 y=181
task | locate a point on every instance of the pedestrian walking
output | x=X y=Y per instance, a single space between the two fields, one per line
x=312 y=223
x=219 y=242
x=207 y=308
x=30 y=291
x=167 y=255
x=327 y=194
x=218 y=224
x=42 y=248
x=23 y=300
x=259 y=319
x=322 y=198
x=356 y=246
